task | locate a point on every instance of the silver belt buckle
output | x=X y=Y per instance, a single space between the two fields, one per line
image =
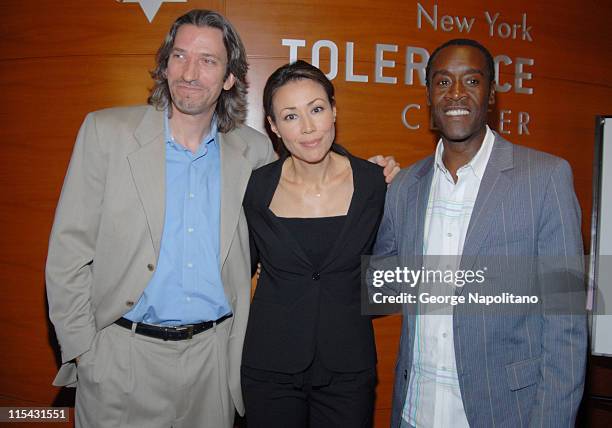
x=189 y=329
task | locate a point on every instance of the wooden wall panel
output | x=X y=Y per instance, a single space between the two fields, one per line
x=50 y=28
x=569 y=37
x=60 y=59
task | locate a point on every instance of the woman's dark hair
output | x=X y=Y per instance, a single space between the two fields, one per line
x=292 y=72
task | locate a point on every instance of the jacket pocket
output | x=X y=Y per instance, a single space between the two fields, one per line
x=523 y=373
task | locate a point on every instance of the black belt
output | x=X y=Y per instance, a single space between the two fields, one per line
x=180 y=332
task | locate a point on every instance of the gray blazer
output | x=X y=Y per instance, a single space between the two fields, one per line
x=519 y=369
x=108 y=224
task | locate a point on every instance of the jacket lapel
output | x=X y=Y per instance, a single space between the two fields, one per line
x=417 y=203
x=356 y=207
x=235 y=173
x=148 y=168
x=274 y=222
x=411 y=240
x=493 y=189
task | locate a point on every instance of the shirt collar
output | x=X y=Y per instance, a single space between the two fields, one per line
x=478 y=163
x=209 y=138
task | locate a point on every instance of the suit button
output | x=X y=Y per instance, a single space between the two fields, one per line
x=405 y=374
x=316 y=276
x=129 y=303
x=150 y=267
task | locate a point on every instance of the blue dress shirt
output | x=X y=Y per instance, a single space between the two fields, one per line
x=186 y=287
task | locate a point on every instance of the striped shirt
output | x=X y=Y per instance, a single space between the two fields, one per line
x=434 y=397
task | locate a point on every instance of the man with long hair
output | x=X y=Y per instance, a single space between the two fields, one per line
x=148 y=274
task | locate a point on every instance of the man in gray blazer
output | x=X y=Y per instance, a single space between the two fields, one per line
x=480 y=199
x=148 y=271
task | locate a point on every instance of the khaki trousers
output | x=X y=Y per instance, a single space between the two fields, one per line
x=129 y=380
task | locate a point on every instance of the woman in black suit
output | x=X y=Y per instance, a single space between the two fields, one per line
x=309 y=356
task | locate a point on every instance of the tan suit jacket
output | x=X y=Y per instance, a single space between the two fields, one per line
x=106 y=235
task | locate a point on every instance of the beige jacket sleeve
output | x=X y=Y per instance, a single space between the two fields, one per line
x=72 y=244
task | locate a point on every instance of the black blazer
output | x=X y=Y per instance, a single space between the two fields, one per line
x=297 y=310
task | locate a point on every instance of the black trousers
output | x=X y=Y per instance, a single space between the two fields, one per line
x=343 y=400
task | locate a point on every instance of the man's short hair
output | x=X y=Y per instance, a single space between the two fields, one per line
x=231 y=109
x=462 y=42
